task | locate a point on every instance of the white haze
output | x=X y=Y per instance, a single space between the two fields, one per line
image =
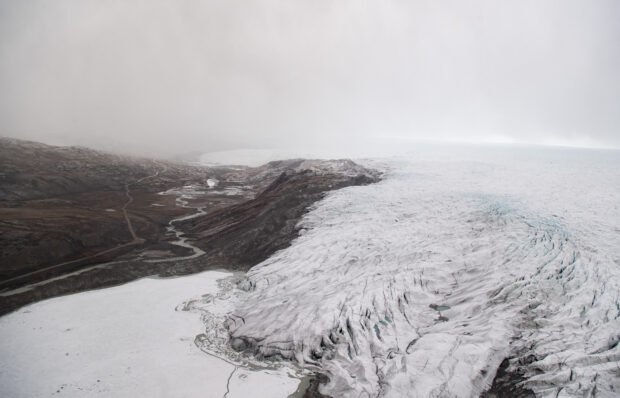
x=169 y=77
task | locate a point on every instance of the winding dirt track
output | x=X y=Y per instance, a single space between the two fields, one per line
x=136 y=238
x=135 y=241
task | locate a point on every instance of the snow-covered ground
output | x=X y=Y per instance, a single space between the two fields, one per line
x=135 y=340
x=422 y=284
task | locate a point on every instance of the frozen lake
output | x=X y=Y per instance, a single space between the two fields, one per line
x=133 y=340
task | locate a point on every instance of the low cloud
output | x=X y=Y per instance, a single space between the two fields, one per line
x=169 y=77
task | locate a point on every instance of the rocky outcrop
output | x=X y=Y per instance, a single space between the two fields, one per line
x=73 y=232
x=242 y=235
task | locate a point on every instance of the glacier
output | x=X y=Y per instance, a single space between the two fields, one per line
x=457 y=262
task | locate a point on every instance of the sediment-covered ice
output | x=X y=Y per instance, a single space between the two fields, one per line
x=422 y=284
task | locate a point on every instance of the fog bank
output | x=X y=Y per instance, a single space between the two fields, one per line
x=167 y=77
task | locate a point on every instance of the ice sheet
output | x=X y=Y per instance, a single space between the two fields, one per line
x=422 y=284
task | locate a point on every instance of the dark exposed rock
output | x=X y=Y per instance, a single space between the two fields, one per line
x=313 y=389
x=240 y=236
x=60 y=204
x=507 y=383
x=66 y=232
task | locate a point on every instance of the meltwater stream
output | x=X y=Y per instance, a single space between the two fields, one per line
x=423 y=284
x=183 y=195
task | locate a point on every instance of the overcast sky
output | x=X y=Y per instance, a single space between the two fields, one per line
x=182 y=75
